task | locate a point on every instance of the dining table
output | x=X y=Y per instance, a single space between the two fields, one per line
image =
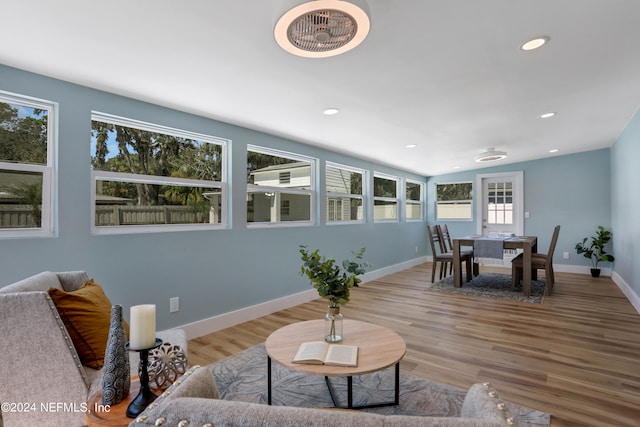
x=528 y=244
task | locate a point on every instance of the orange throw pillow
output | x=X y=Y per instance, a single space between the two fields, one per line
x=86 y=313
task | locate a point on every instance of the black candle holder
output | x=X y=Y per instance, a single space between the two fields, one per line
x=145 y=395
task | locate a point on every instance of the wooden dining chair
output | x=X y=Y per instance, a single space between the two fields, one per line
x=447 y=246
x=446 y=243
x=538 y=262
x=443 y=257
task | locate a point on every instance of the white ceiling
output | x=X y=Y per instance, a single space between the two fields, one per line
x=445 y=75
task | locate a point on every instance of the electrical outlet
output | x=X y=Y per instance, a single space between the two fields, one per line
x=565 y=255
x=174 y=304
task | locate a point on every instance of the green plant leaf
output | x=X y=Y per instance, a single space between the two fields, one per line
x=328 y=278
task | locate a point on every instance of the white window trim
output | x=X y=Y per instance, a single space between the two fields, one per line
x=311 y=192
x=334 y=194
x=397 y=200
x=152 y=127
x=48 y=226
x=420 y=202
x=97 y=175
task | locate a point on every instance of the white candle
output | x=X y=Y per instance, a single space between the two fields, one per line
x=142 y=330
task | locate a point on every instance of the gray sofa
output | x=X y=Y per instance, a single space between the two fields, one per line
x=193 y=401
x=38 y=362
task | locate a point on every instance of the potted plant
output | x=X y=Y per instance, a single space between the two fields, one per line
x=333 y=283
x=595 y=250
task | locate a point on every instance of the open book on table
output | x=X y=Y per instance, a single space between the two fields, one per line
x=321 y=353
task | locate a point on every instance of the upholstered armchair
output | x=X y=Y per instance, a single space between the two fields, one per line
x=39 y=364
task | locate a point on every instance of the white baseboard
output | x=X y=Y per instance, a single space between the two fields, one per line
x=633 y=298
x=580 y=269
x=381 y=272
x=232 y=318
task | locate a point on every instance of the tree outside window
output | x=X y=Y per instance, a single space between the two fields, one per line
x=454 y=201
x=413 y=201
x=26 y=171
x=148 y=175
x=385 y=198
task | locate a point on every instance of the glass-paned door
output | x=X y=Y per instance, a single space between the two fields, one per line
x=501 y=204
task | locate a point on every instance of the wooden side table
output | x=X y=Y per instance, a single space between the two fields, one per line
x=116 y=415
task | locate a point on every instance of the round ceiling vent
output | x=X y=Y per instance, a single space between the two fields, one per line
x=322 y=28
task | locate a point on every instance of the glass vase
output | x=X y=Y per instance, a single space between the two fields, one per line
x=333 y=324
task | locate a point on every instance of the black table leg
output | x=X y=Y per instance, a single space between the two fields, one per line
x=396 y=400
x=333 y=396
x=268 y=380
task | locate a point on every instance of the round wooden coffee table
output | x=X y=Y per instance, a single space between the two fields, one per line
x=378 y=348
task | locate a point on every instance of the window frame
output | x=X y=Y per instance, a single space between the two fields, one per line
x=98 y=175
x=419 y=203
x=311 y=192
x=339 y=195
x=397 y=200
x=450 y=202
x=48 y=214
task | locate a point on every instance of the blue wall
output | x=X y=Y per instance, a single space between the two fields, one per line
x=625 y=202
x=570 y=190
x=213 y=272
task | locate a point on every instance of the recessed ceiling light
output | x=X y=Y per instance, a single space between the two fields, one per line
x=410 y=146
x=534 y=43
x=331 y=111
x=547 y=115
x=555 y=150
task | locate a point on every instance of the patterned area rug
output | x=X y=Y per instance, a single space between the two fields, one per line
x=491 y=285
x=242 y=377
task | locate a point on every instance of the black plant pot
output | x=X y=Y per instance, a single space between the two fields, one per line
x=595 y=272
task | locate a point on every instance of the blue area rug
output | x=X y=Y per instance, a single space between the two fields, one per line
x=491 y=285
x=242 y=377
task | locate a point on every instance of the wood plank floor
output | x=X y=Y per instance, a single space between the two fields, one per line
x=576 y=356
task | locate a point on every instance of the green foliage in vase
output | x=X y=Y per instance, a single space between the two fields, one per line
x=330 y=280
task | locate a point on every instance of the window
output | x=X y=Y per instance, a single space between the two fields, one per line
x=285 y=208
x=344 y=194
x=26 y=166
x=280 y=187
x=413 y=201
x=500 y=203
x=453 y=201
x=385 y=197
x=147 y=177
